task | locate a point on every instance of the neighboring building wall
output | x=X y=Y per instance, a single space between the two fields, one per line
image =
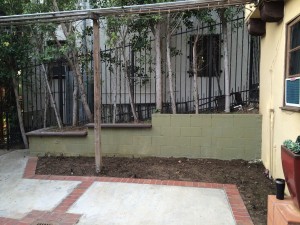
x=219 y=136
x=239 y=58
x=277 y=125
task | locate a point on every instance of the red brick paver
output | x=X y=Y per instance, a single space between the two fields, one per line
x=60 y=217
x=57 y=218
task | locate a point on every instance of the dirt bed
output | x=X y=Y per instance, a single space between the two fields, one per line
x=250 y=178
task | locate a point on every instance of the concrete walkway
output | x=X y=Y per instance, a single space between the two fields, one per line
x=27 y=199
x=2 y=152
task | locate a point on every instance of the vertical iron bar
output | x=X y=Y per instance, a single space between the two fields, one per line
x=242 y=57
x=7 y=131
x=248 y=68
x=60 y=93
x=210 y=46
x=237 y=50
x=231 y=56
x=180 y=66
x=175 y=72
x=251 y=65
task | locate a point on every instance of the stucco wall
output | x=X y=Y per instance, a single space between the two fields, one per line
x=277 y=124
x=232 y=136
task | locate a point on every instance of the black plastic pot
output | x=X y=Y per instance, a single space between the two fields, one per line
x=280 y=185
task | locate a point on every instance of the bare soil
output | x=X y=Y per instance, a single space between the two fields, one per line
x=250 y=177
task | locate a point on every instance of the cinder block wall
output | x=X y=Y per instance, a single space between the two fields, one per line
x=232 y=136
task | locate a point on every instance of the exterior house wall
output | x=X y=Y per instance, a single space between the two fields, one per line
x=277 y=124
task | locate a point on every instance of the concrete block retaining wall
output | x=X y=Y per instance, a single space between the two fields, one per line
x=231 y=136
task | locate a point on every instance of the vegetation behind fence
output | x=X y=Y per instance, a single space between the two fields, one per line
x=63 y=76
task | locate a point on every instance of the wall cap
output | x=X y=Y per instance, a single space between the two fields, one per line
x=121 y=125
x=45 y=132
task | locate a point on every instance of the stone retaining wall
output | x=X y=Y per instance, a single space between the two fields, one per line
x=231 y=136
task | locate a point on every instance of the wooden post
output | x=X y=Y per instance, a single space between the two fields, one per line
x=97 y=94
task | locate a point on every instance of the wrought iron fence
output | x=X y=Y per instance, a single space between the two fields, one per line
x=10 y=135
x=244 y=80
x=244 y=74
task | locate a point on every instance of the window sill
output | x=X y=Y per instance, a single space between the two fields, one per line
x=290 y=108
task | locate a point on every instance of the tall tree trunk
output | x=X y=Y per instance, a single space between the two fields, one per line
x=75 y=102
x=158 y=77
x=195 y=72
x=74 y=64
x=129 y=87
x=114 y=86
x=226 y=61
x=57 y=116
x=45 y=107
x=170 y=75
x=82 y=91
x=217 y=75
x=19 y=112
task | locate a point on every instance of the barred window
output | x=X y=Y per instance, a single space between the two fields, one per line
x=208 y=55
x=293 y=49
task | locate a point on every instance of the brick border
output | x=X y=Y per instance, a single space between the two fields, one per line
x=238 y=207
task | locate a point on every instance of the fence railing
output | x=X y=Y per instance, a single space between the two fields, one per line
x=244 y=53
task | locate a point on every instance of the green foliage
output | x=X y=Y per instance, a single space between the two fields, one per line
x=293 y=146
x=47 y=6
x=175 y=52
x=203 y=15
x=20 y=45
x=14 y=42
x=157 y=111
x=14 y=47
x=11 y=7
x=231 y=12
x=124 y=30
x=47 y=48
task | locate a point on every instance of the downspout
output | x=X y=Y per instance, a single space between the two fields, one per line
x=272 y=115
x=271 y=109
x=272 y=122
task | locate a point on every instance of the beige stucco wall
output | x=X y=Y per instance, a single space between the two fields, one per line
x=277 y=125
x=219 y=136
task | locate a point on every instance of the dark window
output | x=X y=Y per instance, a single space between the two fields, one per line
x=292 y=74
x=58 y=69
x=293 y=49
x=208 y=55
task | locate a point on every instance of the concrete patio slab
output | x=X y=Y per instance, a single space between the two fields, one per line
x=135 y=204
x=12 y=164
x=27 y=198
x=20 y=196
